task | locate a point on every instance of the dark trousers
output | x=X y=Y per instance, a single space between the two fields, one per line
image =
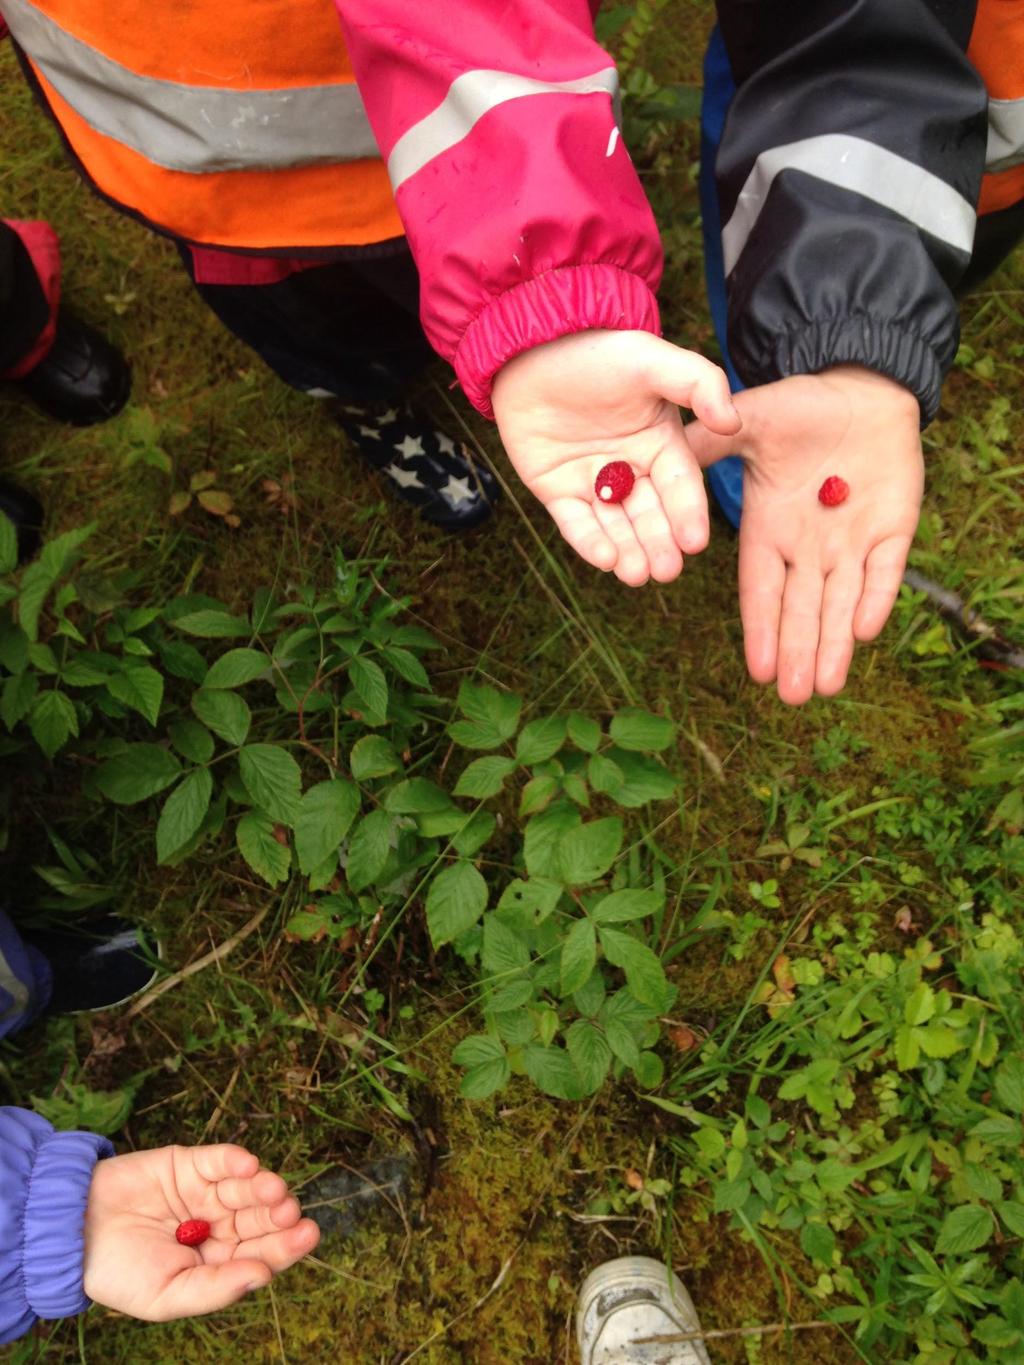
x=24 y=311
x=349 y=328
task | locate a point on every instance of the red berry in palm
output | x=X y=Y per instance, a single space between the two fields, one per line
x=192 y=1232
x=614 y=481
x=833 y=491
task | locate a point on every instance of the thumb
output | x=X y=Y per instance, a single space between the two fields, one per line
x=708 y=446
x=686 y=378
x=207 y=1288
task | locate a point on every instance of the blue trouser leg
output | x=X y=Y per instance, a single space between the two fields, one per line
x=25 y=980
x=725 y=477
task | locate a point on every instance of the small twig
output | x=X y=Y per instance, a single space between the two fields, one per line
x=717 y=1333
x=337 y=1270
x=967 y=623
x=218 y=1113
x=214 y=955
x=277 y=1324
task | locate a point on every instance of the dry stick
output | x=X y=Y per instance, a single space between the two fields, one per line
x=218 y=1113
x=214 y=955
x=966 y=622
x=716 y=1334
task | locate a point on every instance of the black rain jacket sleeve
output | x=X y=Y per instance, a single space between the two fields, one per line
x=848 y=175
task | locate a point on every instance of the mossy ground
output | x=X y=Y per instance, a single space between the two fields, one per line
x=249 y=1049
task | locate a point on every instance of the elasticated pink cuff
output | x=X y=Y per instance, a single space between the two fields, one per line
x=559 y=302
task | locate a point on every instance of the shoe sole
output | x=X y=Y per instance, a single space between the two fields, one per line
x=641 y=1273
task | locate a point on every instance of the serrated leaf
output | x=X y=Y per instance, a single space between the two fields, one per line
x=1012 y=1214
x=590 y=1054
x=138 y=772
x=649 y=1070
x=484 y=777
x=16 y=699
x=416 y=796
x=236 y=668
x=537 y=794
x=8 y=545
x=644 y=972
x=584 y=732
x=964 y=1229
x=273 y=780
x=477 y=1049
x=55 y=558
x=371 y=686
x=579 y=953
x=503 y=950
x=407 y=666
x=267 y=857
x=325 y=816
x=209 y=624
x=540 y=739
x=604 y=774
x=644 y=779
x=587 y=851
x=141 y=688
x=543 y=837
x=552 y=1071
x=1009 y=1084
x=372 y=756
x=622 y=1042
x=488 y=706
x=182 y=814
x=192 y=740
x=225 y=713
x=368 y=849
x=215 y=501
x=641 y=731
x=818 y=1241
x=474 y=833
x=52 y=719
x=622 y=906
x=455 y=901
x=96 y=1111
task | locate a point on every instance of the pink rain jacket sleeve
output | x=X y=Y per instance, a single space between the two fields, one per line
x=524 y=212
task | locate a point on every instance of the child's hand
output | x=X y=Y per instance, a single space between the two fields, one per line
x=132 y=1261
x=813 y=580
x=569 y=407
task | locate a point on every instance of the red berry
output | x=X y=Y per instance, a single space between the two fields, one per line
x=614 y=481
x=833 y=491
x=192 y=1232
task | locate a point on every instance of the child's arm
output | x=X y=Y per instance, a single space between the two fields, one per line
x=78 y=1223
x=847 y=176
x=528 y=223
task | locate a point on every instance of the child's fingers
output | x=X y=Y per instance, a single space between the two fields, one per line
x=650 y=525
x=883 y=574
x=206 y=1288
x=579 y=526
x=762 y=579
x=255 y=1221
x=265 y=1187
x=677 y=479
x=693 y=382
x=631 y=565
x=221 y=1160
x=799 y=631
x=836 y=643
x=279 y=1250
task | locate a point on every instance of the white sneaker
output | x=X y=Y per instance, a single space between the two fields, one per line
x=631 y=1298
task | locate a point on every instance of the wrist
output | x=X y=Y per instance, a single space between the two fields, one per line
x=868 y=385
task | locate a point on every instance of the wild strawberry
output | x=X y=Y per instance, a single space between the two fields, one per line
x=192 y=1232
x=614 y=481
x=833 y=491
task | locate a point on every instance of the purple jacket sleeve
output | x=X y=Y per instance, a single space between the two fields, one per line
x=44 y=1187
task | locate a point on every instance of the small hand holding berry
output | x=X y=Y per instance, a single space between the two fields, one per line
x=820 y=563
x=570 y=407
x=133 y=1260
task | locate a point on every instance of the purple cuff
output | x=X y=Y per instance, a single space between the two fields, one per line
x=54 y=1220
x=570 y=299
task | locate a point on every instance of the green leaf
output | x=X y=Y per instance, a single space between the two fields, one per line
x=484 y=777
x=477 y=1049
x=540 y=739
x=52 y=719
x=455 y=901
x=1009 y=1084
x=416 y=796
x=999 y=1131
x=534 y=900
x=552 y=1071
x=939 y=1040
x=326 y=813
x=604 y=774
x=493 y=717
x=818 y=1242
x=13 y=647
x=236 y=668
x=141 y=688
x=407 y=666
x=368 y=849
x=537 y=793
x=1012 y=1214
x=579 y=953
x=96 y=1111
x=372 y=756
x=213 y=625
x=8 y=545
x=503 y=950
x=588 y=851
x=474 y=833
x=192 y=740
x=225 y=713
x=182 y=814
x=622 y=906
x=643 y=969
x=488 y=1068
x=639 y=730
x=543 y=838
x=267 y=857
x=370 y=684
x=920 y=1004
x=55 y=558
x=965 y=1229
x=584 y=732
x=622 y=1043
x=643 y=779
x=273 y=780
x=649 y=1070
x=590 y=1054
x=136 y=773
x=17 y=697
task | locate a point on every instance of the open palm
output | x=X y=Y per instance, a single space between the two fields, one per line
x=134 y=1264
x=569 y=407
x=815 y=580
